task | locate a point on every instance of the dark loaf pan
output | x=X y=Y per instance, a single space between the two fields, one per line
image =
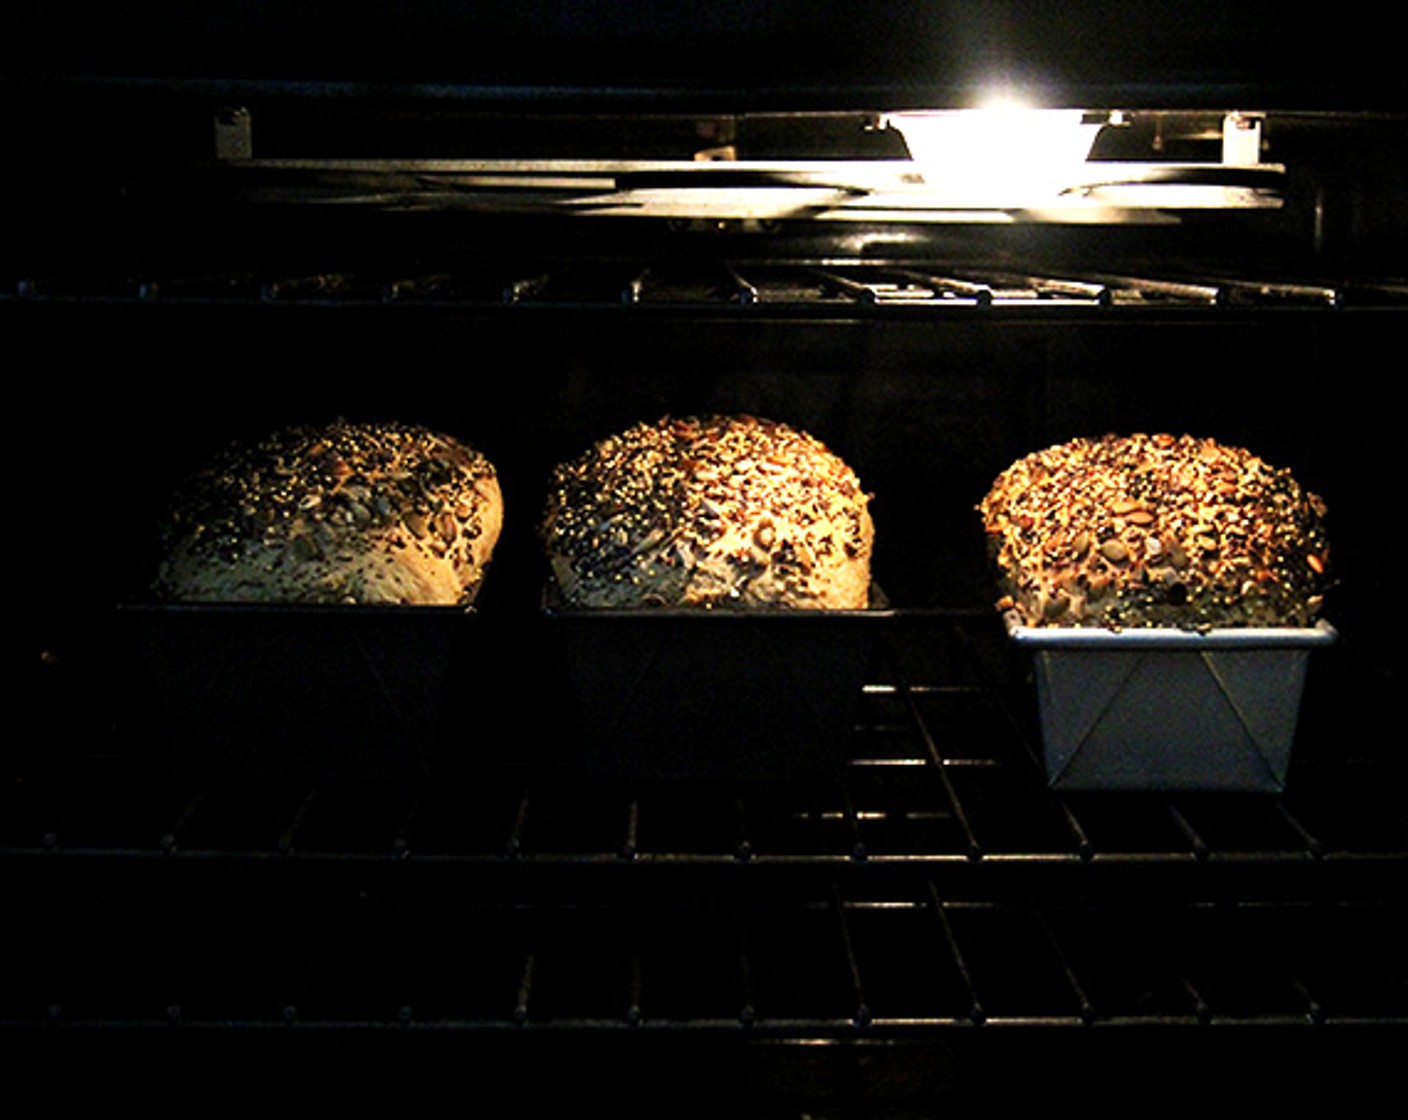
x=716 y=695
x=344 y=691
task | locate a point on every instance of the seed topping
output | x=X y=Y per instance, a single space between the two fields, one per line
x=1157 y=531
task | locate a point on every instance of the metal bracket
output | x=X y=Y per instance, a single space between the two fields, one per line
x=1241 y=140
x=233 y=134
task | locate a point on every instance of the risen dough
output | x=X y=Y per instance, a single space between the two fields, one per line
x=716 y=511
x=366 y=513
x=1155 y=530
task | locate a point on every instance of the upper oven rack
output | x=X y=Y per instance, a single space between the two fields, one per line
x=822 y=286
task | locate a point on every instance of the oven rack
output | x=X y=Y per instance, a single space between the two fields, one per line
x=939 y=888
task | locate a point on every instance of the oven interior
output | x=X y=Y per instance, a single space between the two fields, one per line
x=182 y=268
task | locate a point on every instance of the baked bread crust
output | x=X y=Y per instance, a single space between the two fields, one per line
x=714 y=511
x=1153 y=530
x=358 y=513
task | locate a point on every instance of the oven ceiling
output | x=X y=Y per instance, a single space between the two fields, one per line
x=782 y=54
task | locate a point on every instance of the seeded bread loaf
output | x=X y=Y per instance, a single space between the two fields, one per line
x=713 y=511
x=362 y=513
x=1144 y=530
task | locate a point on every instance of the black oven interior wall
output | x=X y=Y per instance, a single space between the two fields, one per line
x=927 y=409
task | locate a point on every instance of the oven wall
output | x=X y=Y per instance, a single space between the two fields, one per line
x=927 y=409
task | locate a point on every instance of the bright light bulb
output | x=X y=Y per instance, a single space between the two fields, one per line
x=1003 y=154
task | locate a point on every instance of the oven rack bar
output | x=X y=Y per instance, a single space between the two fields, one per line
x=824 y=967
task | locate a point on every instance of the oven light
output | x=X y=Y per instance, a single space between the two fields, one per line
x=1000 y=155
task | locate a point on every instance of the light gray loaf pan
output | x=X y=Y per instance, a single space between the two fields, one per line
x=1168 y=709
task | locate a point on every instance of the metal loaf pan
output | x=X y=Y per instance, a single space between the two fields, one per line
x=345 y=691
x=716 y=695
x=1167 y=709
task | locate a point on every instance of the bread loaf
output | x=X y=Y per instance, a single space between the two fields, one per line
x=364 y=513
x=1144 y=530
x=716 y=511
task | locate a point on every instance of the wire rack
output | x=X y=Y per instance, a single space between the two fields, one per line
x=937 y=885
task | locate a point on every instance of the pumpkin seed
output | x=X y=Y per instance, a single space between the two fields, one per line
x=1114 y=551
x=1054 y=607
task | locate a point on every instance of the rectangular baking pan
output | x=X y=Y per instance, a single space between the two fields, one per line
x=716 y=695
x=333 y=690
x=1167 y=709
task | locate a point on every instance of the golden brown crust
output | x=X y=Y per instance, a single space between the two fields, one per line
x=715 y=511
x=343 y=513
x=1145 y=530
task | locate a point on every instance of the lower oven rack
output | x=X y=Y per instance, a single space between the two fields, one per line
x=934 y=909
